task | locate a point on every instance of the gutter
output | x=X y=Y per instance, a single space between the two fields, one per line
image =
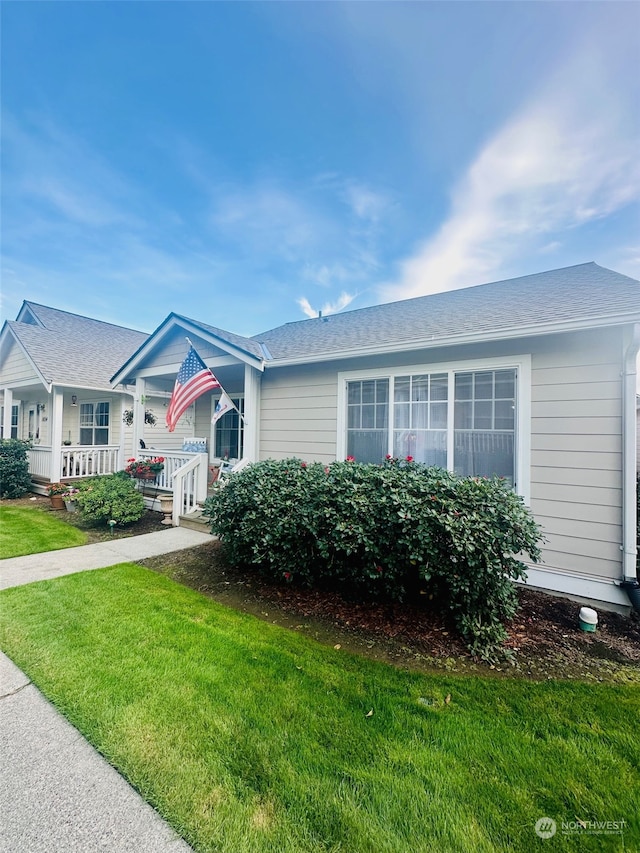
x=455 y=340
x=630 y=578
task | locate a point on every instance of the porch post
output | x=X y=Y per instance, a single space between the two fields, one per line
x=57 y=415
x=252 y=378
x=8 y=405
x=138 y=414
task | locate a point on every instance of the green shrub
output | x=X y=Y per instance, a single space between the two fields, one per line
x=111 y=497
x=15 y=479
x=383 y=531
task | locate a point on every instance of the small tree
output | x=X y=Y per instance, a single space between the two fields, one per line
x=15 y=479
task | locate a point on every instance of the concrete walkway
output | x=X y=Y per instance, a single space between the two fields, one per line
x=16 y=571
x=57 y=794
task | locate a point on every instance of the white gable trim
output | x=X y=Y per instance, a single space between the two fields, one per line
x=172 y=322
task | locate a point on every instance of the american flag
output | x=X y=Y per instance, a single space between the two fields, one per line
x=193 y=380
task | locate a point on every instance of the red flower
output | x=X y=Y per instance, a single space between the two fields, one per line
x=287 y=576
x=409 y=458
x=303 y=465
x=388 y=456
x=379 y=569
x=351 y=458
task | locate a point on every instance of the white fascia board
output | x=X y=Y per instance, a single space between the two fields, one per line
x=130 y=367
x=456 y=340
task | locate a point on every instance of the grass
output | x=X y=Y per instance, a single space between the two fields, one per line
x=250 y=738
x=31 y=530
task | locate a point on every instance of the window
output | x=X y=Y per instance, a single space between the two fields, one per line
x=484 y=423
x=464 y=418
x=229 y=432
x=367 y=418
x=94 y=423
x=14 y=421
x=420 y=418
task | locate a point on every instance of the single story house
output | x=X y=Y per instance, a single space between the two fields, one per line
x=532 y=378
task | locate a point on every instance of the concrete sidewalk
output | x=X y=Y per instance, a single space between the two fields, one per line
x=57 y=794
x=16 y=571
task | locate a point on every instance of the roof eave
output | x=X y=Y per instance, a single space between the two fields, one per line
x=460 y=340
x=170 y=322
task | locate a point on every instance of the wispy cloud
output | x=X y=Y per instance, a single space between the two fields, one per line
x=569 y=157
x=340 y=304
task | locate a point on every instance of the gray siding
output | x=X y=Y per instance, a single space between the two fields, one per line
x=576 y=451
x=576 y=427
x=298 y=413
x=173 y=349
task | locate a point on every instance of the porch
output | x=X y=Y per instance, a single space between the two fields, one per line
x=185 y=474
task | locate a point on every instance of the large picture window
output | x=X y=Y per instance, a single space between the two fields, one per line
x=94 y=423
x=458 y=418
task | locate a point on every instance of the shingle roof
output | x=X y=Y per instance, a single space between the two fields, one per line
x=586 y=292
x=72 y=350
x=245 y=344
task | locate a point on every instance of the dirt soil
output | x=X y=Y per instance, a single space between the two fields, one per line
x=545 y=640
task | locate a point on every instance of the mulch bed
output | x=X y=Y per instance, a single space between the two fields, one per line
x=545 y=640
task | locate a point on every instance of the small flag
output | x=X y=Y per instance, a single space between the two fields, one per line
x=193 y=380
x=223 y=406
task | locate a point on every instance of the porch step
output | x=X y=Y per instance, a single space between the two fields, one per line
x=196 y=521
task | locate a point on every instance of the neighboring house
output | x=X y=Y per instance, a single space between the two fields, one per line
x=531 y=378
x=55 y=389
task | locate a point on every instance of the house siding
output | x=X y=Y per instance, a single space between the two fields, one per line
x=576 y=426
x=173 y=349
x=576 y=451
x=16 y=368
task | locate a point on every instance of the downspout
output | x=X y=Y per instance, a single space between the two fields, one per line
x=629 y=501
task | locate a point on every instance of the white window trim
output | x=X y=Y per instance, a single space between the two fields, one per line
x=95 y=403
x=522 y=363
x=212 y=435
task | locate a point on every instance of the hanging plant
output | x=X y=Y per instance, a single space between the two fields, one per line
x=149 y=417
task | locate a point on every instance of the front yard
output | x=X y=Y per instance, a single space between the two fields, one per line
x=250 y=737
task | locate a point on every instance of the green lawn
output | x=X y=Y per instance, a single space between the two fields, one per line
x=31 y=530
x=250 y=738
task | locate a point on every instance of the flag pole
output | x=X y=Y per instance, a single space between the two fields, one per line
x=190 y=342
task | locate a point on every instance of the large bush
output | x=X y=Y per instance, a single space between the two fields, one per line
x=383 y=531
x=112 y=497
x=15 y=479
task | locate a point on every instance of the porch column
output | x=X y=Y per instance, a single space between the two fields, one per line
x=138 y=414
x=8 y=405
x=57 y=414
x=252 y=381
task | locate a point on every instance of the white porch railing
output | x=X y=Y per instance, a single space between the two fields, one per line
x=75 y=461
x=89 y=461
x=184 y=474
x=40 y=461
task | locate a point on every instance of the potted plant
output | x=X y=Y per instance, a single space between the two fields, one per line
x=55 y=492
x=69 y=498
x=145 y=469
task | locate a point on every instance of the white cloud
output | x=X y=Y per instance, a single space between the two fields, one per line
x=339 y=304
x=568 y=158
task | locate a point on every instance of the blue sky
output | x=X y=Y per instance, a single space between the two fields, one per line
x=248 y=164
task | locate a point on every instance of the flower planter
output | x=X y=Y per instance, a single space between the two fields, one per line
x=166 y=508
x=57 y=502
x=71 y=506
